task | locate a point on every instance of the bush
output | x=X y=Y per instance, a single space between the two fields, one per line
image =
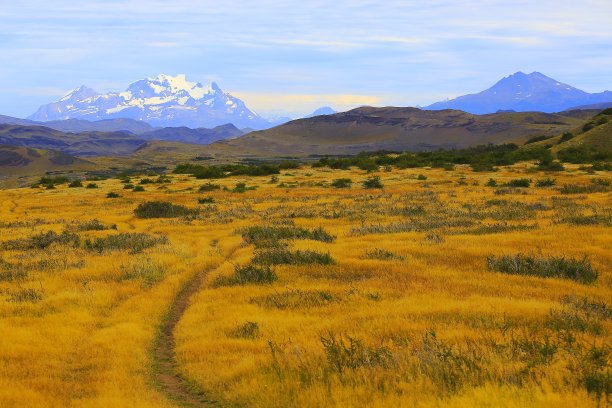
x=91 y=185
x=138 y=189
x=75 y=183
x=523 y=183
x=372 y=182
x=579 y=270
x=209 y=187
x=206 y=200
x=263 y=236
x=42 y=241
x=547 y=182
x=582 y=189
x=244 y=275
x=135 y=242
x=112 y=195
x=550 y=165
x=162 y=209
x=491 y=183
x=282 y=256
x=242 y=187
x=421 y=177
x=342 y=183
x=129 y=186
x=146 y=181
x=535 y=139
x=50 y=182
x=565 y=137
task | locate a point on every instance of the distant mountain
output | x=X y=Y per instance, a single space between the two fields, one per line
x=78 y=144
x=164 y=101
x=396 y=128
x=325 y=110
x=594 y=106
x=78 y=125
x=524 y=92
x=197 y=136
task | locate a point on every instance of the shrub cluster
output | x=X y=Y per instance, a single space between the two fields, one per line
x=162 y=209
x=579 y=270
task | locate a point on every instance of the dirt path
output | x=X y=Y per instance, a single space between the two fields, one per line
x=165 y=374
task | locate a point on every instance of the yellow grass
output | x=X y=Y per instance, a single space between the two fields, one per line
x=431 y=326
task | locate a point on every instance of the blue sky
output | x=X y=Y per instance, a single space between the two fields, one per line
x=289 y=57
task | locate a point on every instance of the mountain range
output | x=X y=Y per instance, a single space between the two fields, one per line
x=163 y=101
x=522 y=92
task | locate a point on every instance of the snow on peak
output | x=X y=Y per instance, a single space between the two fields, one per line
x=163 y=100
x=81 y=92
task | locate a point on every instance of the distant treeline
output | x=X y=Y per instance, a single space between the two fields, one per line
x=227 y=170
x=480 y=158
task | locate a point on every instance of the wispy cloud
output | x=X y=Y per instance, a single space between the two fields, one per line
x=404 y=51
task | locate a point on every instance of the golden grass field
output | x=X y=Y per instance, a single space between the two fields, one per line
x=402 y=309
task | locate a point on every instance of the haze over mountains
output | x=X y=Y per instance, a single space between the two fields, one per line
x=522 y=92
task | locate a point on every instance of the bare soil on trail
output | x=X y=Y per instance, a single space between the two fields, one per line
x=165 y=372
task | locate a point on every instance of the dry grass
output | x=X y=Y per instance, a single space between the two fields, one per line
x=380 y=297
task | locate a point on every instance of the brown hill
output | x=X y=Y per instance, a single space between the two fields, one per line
x=17 y=160
x=392 y=128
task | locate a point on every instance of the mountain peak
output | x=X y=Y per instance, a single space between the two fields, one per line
x=522 y=92
x=164 y=100
x=81 y=92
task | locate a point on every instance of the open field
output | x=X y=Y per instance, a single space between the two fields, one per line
x=442 y=288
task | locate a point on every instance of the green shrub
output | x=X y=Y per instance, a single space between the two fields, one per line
x=91 y=185
x=129 y=187
x=535 y=139
x=93 y=225
x=244 y=275
x=242 y=187
x=342 y=183
x=75 y=183
x=206 y=200
x=209 y=187
x=138 y=189
x=282 y=256
x=582 y=189
x=112 y=194
x=263 y=236
x=162 y=209
x=372 y=182
x=579 y=270
x=547 y=182
x=421 y=177
x=491 y=183
x=518 y=183
x=135 y=242
x=550 y=165
x=565 y=137
x=42 y=241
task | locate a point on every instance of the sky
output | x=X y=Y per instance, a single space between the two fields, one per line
x=290 y=57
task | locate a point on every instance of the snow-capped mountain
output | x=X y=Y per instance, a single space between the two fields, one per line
x=524 y=92
x=162 y=101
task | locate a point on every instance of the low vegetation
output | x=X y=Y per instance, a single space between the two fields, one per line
x=474 y=277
